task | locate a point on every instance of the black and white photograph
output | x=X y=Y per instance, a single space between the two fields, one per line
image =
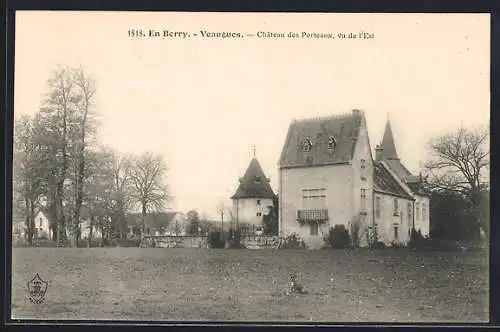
x=251 y=167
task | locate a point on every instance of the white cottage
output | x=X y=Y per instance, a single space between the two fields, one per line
x=43 y=224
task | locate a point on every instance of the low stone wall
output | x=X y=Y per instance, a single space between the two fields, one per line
x=260 y=242
x=172 y=241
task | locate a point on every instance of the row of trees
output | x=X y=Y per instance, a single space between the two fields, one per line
x=59 y=165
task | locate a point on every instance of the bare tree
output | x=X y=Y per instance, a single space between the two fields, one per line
x=459 y=162
x=84 y=100
x=55 y=122
x=65 y=124
x=98 y=191
x=28 y=171
x=121 y=200
x=147 y=179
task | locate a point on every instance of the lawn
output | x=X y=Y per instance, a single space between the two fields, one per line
x=250 y=285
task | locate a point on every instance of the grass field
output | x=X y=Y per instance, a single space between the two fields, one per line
x=251 y=285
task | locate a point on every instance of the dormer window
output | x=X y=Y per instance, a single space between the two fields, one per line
x=332 y=143
x=307 y=145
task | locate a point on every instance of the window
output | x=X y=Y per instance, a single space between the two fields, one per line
x=363 y=169
x=396 y=208
x=396 y=232
x=424 y=211
x=314 y=228
x=363 y=199
x=417 y=211
x=259 y=214
x=332 y=143
x=314 y=198
x=377 y=207
x=307 y=145
x=147 y=230
x=258 y=202
x=409 y=212
x=40 y=222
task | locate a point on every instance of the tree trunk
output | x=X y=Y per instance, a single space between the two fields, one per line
x=91 y=230
x=79 y=182
x=32 y=218
x=29 y=230
x=60 y=212
x=121 y=219
x=76 y=214
x=61 y=178
x=143 y=219
x=52 y=212
x=475 y=199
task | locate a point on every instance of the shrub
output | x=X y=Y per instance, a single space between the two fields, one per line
x=419 y=242
x=235 y=245
x=439 y=245
x=292 y=241
x=397 y=245
x=126 y=242
x=338 y=237
x=379 y=245
x=96 y=242
x=416 y=239
x=215 y=240
x=44 y=243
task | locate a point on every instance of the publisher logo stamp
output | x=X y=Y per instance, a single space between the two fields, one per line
x=37 y=288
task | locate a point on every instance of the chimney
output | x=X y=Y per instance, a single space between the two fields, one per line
x=356 y=112
x=378 y=152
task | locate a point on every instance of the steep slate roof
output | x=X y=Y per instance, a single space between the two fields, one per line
x=153 y=220
x=254 y=184
x=388 y=144
x=390 y=156
x=344 y=128
x=385 y=183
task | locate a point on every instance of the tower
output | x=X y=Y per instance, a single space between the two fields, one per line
x=253 y=197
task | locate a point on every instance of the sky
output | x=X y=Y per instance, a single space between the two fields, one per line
x=203 y=103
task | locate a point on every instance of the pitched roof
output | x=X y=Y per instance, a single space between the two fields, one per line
x=389 y=155
x=385 y=183
x=419 y=189
x=343 y=128
x=254 y=184
x=397 y=167
x=388 y=145
x=153 y=220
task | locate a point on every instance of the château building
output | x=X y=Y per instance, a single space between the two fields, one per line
x=328 y=177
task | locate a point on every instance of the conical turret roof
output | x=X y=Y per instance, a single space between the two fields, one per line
x=388 y=146
x=254 y=184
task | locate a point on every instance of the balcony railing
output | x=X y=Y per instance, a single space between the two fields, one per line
x=309 y=215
